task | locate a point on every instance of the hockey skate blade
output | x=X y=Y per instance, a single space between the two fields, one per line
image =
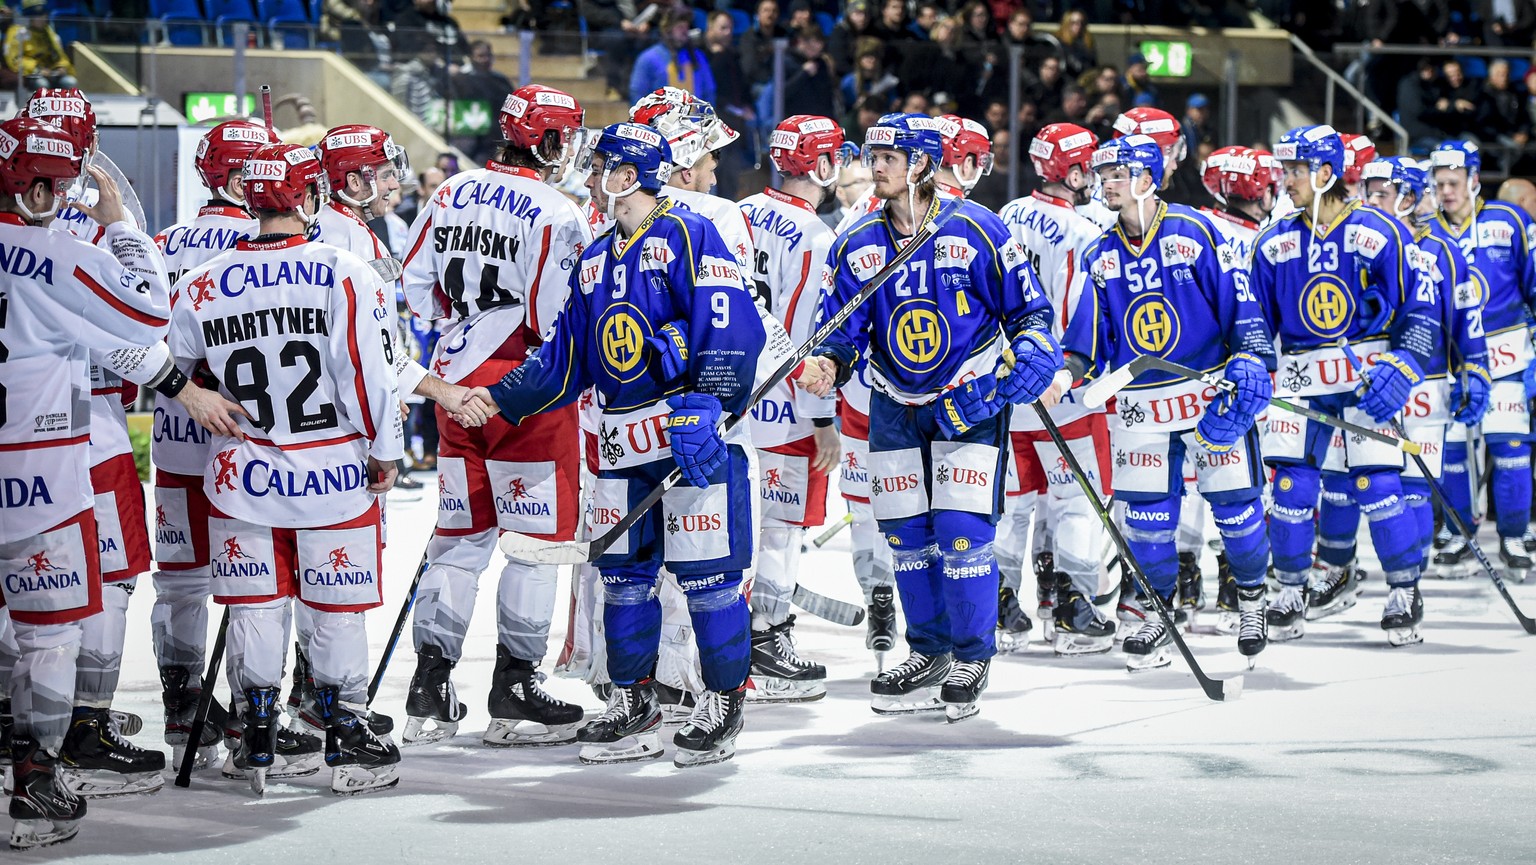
x=675 y=714
x=630 y=749
x=1075 y=645
x=921 y=700
x=358 y=780
x=542 y=552
x=206 y=756
x=417 y=732
x=259 y=780
x=32 y=834
x=1397 y=638
x=768 y=689
x=683 y=758
x=506 y=733
x=1345 y=601
x=954 y=713
x=106 y=784
x=1155 y=661
x=1285 y=633
x=1099 y=392
x=1010 y=643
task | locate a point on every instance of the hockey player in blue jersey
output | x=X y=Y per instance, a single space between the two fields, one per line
x=661 y=323
x=1497 y=239
x=1161 y=286
x=1338 y=269
x=934 y=336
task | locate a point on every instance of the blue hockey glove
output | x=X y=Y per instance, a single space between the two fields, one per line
x=1374 y=312
x=671 y=348
x=696 y=446
x=967 y=405
x=1472 y=387
x=1254 y=387
x=1387 y=385
x=1036 y=357
x=1529 y=378
x=1223 y=424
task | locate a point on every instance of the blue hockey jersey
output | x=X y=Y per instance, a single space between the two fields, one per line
x=1500 y=252
x=1438 y=257
x=1173 y=295
x=1353 y=281
x=937 y=323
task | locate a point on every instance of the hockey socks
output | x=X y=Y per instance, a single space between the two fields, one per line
x=632 y=626
x=1457 y=484
x=1510 y=484
x=1338 y=520
x=722 y=626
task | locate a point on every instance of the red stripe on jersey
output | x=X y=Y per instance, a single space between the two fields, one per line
x=357 y=363
x=28 y=446
x=420 y=239
x=794 y=297
x=112 y=301
x=1066 y=295
x=533 y=293
x=300 y=446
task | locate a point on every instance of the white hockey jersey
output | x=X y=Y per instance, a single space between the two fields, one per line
x=492 y=255
x=60 y=298
x=791 y=244
x=1054 y=236
x=292 y=330
x=73 y=220
x=1237 y=234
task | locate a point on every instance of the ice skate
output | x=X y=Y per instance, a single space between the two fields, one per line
x=6 y=724
x=1013 y=624
x=1131 y=612
x=963 y=687
x=522 y=713
x=45 y=810
x=1332 y=592
x=301 y=694
x=258 y=740
x=298 y=754
x=432 y=699
x=1080 y=628
x=1286 y=615
x=1402 y=615
x=1191 y=586
x=362 y=759
x=1051 y=588
x=1514 y=558
x=628 y=730
x=1443 y=536
x=1253 y=626
x=127 y=723
x=1455 y=560
x=180 y=702
x=880 y=623
x=1227 y=618
x=710 y=734
x=97 y=762
x=911 y=686
x=779 y=674
x=676 y=704
x=1148 y=648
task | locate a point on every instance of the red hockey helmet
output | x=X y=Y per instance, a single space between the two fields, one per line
x=356 y=147
x=1210 y=169
x=530 y=113
x=224 y=149
x=68 y=109
x=33 y=149
x=799 y=142
x=1058 y=147
x=1276 y=170
x=277 y=176
x=1246 y=174
x=1155 y=123
x=1359 y=151
x=963 y=138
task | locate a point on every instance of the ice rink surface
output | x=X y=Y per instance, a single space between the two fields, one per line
x=1341 y=750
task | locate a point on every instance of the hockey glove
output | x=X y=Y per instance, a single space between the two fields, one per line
x=1036 y=357
x=671 y=348
x=1470 y=389
x=1387 y=385
x=1223 y=424
x=967 y=405
x=1254 y=387
x=1529 y=378
x=696 y=445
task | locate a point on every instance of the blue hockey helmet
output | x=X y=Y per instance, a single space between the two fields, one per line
x=1400 y=171
x=913 y=133
x=1139 y=153
x=1457 y=154
x=1315 y=145
x=633 y=144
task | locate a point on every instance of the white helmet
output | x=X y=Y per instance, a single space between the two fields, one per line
x=690 y=124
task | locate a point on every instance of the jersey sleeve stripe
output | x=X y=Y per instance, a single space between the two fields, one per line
x=56 y=443
x=299 y=446
x=357 y=363
x=113 y=301
x=420 y=239
x=532 y=306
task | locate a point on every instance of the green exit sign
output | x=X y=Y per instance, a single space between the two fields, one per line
x=203 y=107
x=1168 y=59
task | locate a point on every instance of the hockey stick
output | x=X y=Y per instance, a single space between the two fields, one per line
x=538 y=551
x=1526 y=622
x=829 y=534
x=1216 y=689
x=204 y=705
x=1101 y=390
x=394 y=636
x=822 y=607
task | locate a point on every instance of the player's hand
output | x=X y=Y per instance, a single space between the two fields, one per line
x=483 y=406
x=466 y=408
x=1060 y=384
x=381 y=476
x=818 y=376
x=212 y=411
x=109 y=200
x=405 y=411
x=829 y=449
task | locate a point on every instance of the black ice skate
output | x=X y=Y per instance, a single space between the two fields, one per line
x=1286 y=615
x=628 y=730
x=1131 y=612
x=1080 y=628
x=779 y=674
x=1253 y=627
x=710 y=734
x=1013 y=624
x=1442 y=537
x=1332 y=592
x=1455 y=560
x=676 y=704
x=432 y=698
x=1514 y=558
x=1191 y=586
x=1051 y=587
x=180 y=700
x=301 y=694
x=45 y=810
x=298 y=754
x=1226 y=596
x=880 y=624
x=911 y=686
x=257 y=752
x=963 y=687
x=1148 y=648
x=522 y=713
x=362 y=760
x=97 y=762
x=1402 y=615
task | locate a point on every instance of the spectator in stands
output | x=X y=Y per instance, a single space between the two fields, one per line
x=1100 y=118
x=809 y=87
x=1196 y=125
x=922 y=25
x=1416 y=95
x=448 y=164
x=916 y=102
x=939 y=66
x=1037 y=46
x=732 y=96
x=1074 y=106
x=425 y=23
x=1102 y=82
x=1502 y=116
x=1045 y=89
x=757 y=45
x=995 y=115
x=485 y=84
x=673 y=61
x=847 y=35
x=799 y=16
x=33 y=50
x=892 y=27
x=1138 y=82
x=869 y=76
x=1396 y=22
x=413 y=83
x=864 y=115
x=978 y=35
x=1457 y=104
x=1507 y=23
x=1077 y=43
x=614 y=32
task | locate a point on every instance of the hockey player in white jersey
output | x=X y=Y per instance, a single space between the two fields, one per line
x=792 y=428
x=291 y=330
x=1070 y=579
x=967 y=154
x=491 y=256
x=68 y=109
x=59 y=299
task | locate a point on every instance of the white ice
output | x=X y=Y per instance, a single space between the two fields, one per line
x=1341 y=750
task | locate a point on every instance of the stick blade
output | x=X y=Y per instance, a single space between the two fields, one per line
x=1231 y=688
x=541 y=552
x=830 y=609
x=1104 y=387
